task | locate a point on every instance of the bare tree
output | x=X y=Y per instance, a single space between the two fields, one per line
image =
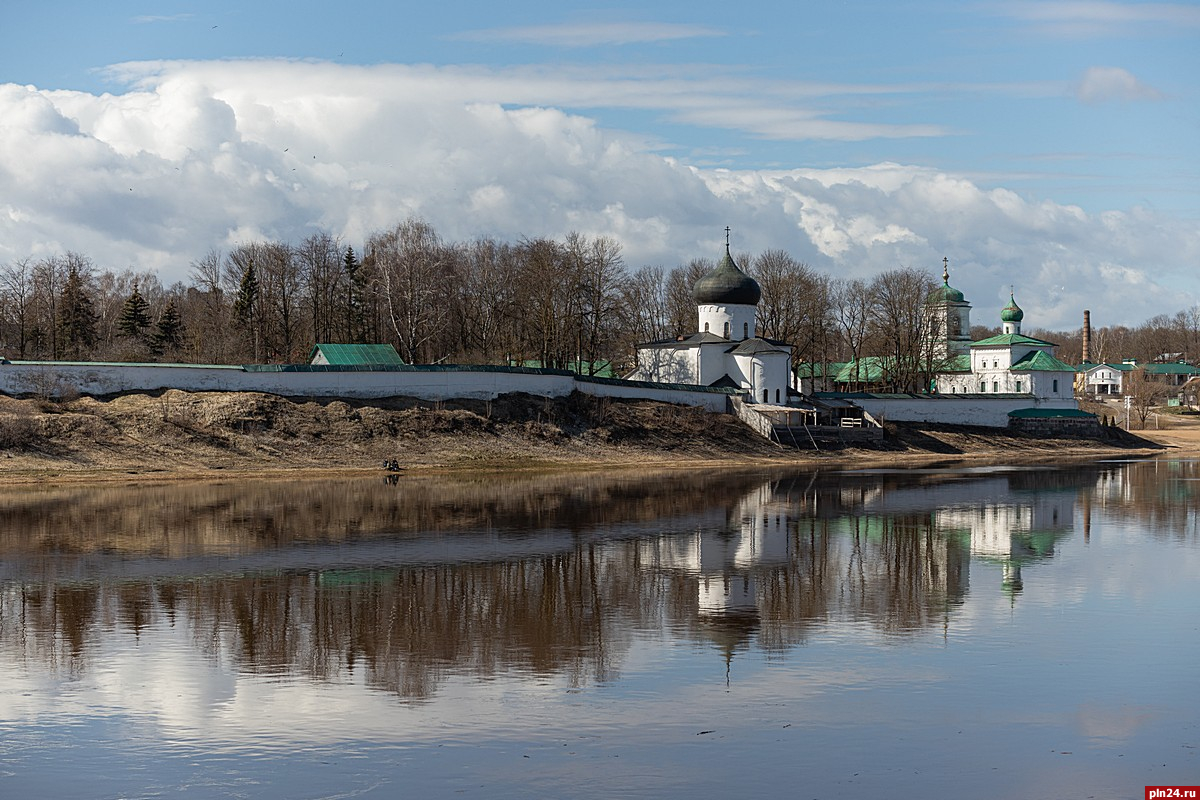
x=412 y=263
x=16 y=299
x=1145 y=393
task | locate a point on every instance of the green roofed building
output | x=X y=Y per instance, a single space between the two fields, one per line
x=355 y=355
x=1013 y=363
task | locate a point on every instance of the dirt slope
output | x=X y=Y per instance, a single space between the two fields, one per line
x=192 y=434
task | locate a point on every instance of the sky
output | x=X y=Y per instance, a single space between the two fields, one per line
x=1051 y=147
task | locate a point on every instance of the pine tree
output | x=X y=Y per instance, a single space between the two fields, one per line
x=353 y=295
x=76 y=318
x=247 y=296
x=168 y=335
x=135 y=315
x=245 y=305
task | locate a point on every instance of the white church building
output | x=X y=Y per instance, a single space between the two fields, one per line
x=726 y=350
x=1011 y=363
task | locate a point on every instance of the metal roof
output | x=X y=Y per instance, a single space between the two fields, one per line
x=1040 y=361
x=1009 y=339
x=356 y=354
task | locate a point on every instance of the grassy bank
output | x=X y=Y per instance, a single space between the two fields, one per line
x=180 y=435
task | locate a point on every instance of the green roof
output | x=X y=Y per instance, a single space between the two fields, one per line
x=356 y=354
x=1171 y=369
x=960 y=363
x=601 y=367
x=818 y=369
x=1050 y=413
x=1009 y=339
x=1040 y=361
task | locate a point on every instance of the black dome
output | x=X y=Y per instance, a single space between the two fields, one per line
x=727 y=285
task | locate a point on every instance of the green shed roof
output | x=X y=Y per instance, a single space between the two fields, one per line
x=356 y=354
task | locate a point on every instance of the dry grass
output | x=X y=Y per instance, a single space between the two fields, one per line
x=177 y=434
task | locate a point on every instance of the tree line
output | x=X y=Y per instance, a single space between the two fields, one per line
x=570 y=302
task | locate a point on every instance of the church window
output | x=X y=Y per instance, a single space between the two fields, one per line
x=1056 y=386
x=745 y=330
x=726 y=330
x=995 y=386
x=765 y=395
x=1018 y=386
x=776 y=395
x=706 y=327
x=982 y=387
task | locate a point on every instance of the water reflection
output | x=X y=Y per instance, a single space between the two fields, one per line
x=409 y=583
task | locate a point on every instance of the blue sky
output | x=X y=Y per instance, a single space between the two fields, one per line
x=1050 y=145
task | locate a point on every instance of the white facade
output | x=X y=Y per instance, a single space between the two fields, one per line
x=1014 y=364
x=734 y=321
x=725 y=350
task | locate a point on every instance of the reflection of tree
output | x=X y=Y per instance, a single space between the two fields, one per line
x=791 y=556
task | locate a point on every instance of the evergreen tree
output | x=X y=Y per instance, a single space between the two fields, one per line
x=354 y=292
x=76 y=317
x=247 y=296
x=135 y=315
x=168 y=335
x=245 y=305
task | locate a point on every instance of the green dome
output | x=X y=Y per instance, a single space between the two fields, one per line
x=945 y=294
x=727 y=285
x=1011 y=312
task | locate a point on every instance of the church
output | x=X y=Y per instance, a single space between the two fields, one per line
x=726 y=350
x=1009 y=363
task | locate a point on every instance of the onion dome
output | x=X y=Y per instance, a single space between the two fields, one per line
x=726 y=285
x=945 y=293
x=1011 y=312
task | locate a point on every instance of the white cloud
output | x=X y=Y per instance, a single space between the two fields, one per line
x=202 y=155
x=147 y=19
x=591 y=34
x=1089 y=18
x=1101 y=84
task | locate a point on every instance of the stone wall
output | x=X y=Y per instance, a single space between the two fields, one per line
x=438 y=382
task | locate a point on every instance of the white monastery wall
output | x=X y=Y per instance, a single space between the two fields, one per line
x=954 y=410
x=53 y=379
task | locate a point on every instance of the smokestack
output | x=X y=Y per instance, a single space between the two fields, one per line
x=1087 y=336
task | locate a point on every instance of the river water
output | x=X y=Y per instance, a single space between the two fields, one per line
x=983 y=633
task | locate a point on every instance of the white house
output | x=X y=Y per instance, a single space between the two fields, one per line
x=726 y=350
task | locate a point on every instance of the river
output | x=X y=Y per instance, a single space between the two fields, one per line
x=960 y=632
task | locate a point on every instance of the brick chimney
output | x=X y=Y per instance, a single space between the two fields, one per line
x=1087 y=335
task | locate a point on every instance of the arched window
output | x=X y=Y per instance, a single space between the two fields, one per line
x=726 y=330
x=765 y=395
x=745 y=330
x=706 y=327
x=776 y=395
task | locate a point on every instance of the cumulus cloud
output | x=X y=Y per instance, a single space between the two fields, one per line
x=1101 y=84
x=203 y=155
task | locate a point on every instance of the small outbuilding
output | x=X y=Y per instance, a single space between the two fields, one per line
x=355 y=355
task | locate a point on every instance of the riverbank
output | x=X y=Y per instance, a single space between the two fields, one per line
x=178 y=435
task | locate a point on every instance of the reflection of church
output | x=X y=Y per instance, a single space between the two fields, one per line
x=1020 y=528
